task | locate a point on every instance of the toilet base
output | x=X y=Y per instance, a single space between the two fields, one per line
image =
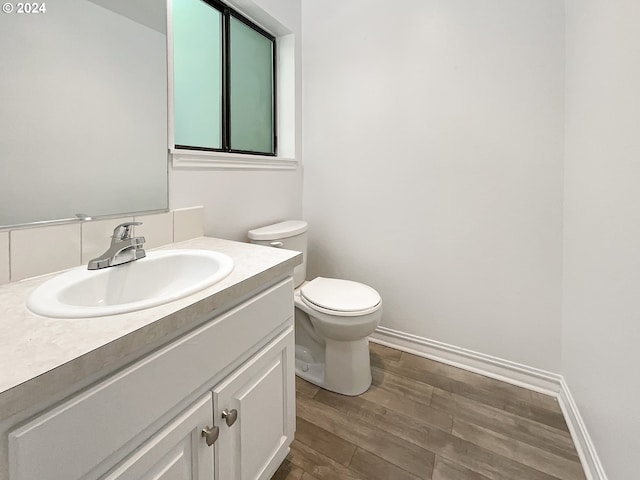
x=311 y=372
x=347 y=372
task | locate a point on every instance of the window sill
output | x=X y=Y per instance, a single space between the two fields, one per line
x=229 y=161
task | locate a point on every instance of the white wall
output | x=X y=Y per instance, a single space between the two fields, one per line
x=236 y=201
x=601 y=317
x=433 y=143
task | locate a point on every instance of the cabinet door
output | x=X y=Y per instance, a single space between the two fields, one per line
x=177 y=452
x=261 y=397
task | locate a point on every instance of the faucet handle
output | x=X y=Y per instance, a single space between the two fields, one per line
x=123 y=231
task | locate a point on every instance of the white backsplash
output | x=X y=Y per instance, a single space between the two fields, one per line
x=36 y=251
x=188 y=223
x=157 y=229
x=28 y=252
x=4 y=257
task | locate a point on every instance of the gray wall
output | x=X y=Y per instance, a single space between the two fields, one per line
x=601 y=321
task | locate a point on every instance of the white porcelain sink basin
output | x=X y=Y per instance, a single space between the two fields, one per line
x=158 y=278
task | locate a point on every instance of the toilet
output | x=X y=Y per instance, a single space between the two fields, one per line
x=333 y=318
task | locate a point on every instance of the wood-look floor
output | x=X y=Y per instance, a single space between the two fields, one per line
x=425 y=420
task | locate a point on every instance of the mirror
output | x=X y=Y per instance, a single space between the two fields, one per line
x=83 y=110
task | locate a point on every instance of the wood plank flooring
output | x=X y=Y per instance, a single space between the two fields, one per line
x=425 y=420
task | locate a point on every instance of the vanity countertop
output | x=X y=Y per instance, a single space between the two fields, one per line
x=42 y=357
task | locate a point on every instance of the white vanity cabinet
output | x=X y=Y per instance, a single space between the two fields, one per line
x=256 y=411
x=250 y=420
x=176 y=451
x=233 y=374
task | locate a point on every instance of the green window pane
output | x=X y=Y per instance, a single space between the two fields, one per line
x=251 y=89
x=197 y=66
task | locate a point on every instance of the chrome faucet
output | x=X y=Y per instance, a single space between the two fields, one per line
x=124 y=248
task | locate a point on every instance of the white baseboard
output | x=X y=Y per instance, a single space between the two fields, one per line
x=504 y=370
x=584 y=445
x=493 y=367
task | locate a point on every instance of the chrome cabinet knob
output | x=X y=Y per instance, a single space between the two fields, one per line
x=230 y=416
x=210 y=434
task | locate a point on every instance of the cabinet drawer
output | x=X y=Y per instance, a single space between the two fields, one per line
x=71 y=440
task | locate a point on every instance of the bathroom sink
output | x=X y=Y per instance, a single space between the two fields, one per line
x=160 y=277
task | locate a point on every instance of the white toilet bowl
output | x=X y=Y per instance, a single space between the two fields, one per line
x=333 y=318
x=332 y=345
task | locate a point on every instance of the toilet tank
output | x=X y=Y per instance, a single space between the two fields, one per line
x=292 y=235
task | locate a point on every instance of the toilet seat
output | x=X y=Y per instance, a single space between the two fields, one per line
x=343 y=298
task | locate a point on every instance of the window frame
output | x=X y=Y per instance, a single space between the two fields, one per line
x=198 y=154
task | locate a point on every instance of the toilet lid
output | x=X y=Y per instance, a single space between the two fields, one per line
x=340 y=295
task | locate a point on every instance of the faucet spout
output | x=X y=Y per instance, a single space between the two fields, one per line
x=124 y=248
